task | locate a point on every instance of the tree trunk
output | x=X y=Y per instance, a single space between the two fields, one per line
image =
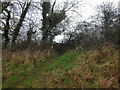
x=6 y=31
x=29 y=34
x=19 y=24
x=45 y=23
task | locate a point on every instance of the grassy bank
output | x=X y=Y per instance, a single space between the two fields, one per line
x=84 y=69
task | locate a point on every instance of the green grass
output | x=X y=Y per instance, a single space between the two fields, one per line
x=24 y=76
x=69 y=70
x=64 y=62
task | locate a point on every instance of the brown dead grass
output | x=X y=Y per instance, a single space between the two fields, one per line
x=26 y=56
x=92 y=70
x=106 y=64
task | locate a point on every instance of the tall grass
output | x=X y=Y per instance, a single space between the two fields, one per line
x=74 y=69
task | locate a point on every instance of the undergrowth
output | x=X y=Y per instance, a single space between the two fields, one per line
x=84 y=69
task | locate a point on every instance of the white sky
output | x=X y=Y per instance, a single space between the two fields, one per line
x=88 y=9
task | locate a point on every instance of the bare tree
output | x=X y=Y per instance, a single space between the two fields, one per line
x=107 y=13
x=19 y=24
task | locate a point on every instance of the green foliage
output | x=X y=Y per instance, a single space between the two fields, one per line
x=56 y=18
x=110 y=34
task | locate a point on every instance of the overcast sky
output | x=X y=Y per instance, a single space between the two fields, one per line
x=88 y=9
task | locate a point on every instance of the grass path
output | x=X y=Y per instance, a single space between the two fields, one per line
x=25 y=76
x=84 y=69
